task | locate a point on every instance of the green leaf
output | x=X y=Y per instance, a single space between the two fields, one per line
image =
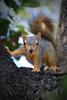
x=22 y=29
x=12 y=4
x=4 y=23
x=30 y=3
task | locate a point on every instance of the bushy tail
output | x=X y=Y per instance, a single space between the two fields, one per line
x=43 y=24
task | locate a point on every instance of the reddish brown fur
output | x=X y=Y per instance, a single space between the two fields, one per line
x=35 y=27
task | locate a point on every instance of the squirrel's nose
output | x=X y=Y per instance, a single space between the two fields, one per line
x=31 y=50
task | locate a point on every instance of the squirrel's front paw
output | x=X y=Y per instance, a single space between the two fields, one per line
x=36 y=70
x=6 y=48
x=54 y=68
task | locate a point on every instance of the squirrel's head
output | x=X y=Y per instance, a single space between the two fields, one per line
x=31 y=43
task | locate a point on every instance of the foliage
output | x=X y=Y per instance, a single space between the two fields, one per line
x=24 y=3
x=12 y=4
x=63 y=94
x=30 y=3
x=21 y=29
x=11 y=47
x=14 y=36
x=4 y=23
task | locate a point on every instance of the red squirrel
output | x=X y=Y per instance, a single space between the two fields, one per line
x=39 y=51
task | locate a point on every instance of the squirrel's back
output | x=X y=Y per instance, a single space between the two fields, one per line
x=48 y=53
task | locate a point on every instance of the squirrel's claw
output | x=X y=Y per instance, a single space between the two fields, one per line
x=36 y=70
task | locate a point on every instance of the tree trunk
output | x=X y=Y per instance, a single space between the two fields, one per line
x=62 y=47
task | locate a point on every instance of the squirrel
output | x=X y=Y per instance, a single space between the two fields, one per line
x=40 y=50
x=36 y=50
x=43 y=24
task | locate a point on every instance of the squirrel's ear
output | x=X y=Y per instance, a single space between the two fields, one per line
x=39 y=35
x=23 y=36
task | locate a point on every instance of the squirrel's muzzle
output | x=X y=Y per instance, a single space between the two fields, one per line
x=31 y=50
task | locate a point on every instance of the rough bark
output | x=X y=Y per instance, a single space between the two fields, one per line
x=62 y=47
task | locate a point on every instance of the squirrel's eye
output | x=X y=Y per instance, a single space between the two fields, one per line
x=25 y=42
x=37 y=42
